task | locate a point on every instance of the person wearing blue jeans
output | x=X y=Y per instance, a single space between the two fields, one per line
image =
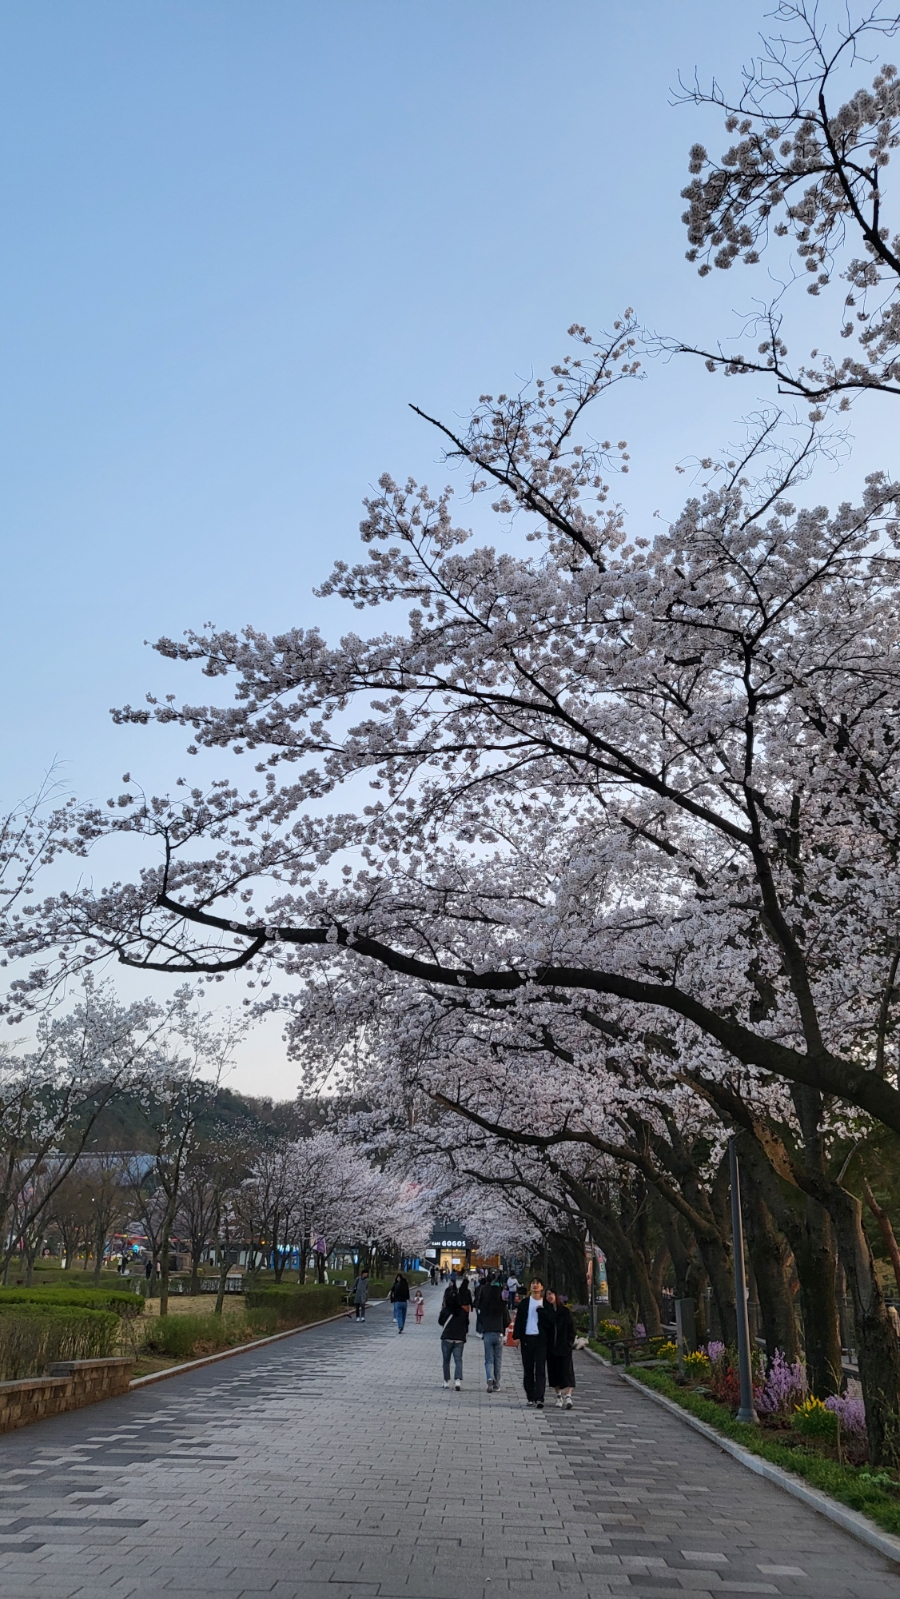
x=454 y=1347
x=494 y=1322
x=454 y=1325
x=400 y=1300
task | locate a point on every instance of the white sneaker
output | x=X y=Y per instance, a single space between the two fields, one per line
x=457 y=1385
x=568 y=1401
x=559 y=1402
x=447 y=1382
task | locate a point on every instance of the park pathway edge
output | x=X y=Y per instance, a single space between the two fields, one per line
x=852 y=1521
x=239 y=1349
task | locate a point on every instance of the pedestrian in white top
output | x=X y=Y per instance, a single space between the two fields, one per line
x=533 y=1330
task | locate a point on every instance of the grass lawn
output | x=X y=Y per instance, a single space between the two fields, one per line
x=196 y=1305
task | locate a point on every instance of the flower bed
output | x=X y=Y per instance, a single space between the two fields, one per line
x=875 y=1493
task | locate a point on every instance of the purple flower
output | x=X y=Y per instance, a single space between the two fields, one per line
x=851 y=1413
x=784 y=1387
x=715 y=1351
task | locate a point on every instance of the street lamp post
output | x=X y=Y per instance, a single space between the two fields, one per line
x=745 y=1370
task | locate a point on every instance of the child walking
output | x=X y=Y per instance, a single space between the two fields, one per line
x=420 y=1304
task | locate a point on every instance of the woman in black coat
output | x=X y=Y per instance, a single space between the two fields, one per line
x=400 y=1300
x=454 y=1324
x=560 y=1365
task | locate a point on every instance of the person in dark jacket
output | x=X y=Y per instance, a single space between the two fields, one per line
x=476 y=1303
x=465 y=1293
x=534 y=1330
x=494 y=1322
x=560 y=1365
x=454 y=1325
x=399 y=1297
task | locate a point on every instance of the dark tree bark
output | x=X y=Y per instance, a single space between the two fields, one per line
x=877 y=1347
x=885 y=1228
x=770 y=1269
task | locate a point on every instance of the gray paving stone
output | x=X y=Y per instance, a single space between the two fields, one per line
x=334 y=1466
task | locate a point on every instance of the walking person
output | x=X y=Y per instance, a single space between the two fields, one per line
x=560 y=1362
x=361 y=1294
x=478 y=1294
x=399 y=1297
x=494 y=1322
x=454 y=1325
x=420 y=1306
x=533 y=1329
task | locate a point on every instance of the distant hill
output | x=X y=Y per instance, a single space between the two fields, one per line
x=124 y=1124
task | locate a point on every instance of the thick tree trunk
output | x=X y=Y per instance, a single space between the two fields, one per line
x=279 y=1259
x=719 y=1267
x=164 y=1267
x=678 y=1254
x=567 y=1266
x=613 y=1278
x=808 y=1230
x=886 y=1230
x=877 y=1348
x=770 y=1269
x=99 y=1243
x=630 y=1267
x=816 y=1262
x=223 y=1273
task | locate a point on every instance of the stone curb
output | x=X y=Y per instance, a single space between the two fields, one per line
x=852 y=1521
x=225 y=1354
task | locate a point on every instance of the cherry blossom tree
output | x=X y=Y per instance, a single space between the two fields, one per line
x=175 y=1096
x=807 y=164
x=651 y=780
x=51 y=1096
x=322 y=1186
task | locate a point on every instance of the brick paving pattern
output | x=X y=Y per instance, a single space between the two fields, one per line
x=333 y=1465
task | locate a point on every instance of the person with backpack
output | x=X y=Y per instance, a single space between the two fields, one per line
x=494 y=1322
x=454 y=1324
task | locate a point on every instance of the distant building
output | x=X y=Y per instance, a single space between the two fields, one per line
x=454 y=1249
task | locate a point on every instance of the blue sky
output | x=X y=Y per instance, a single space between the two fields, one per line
x=240 y=237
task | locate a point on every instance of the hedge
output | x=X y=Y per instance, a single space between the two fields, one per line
x=273 y=1307
x=126 y=1305
x=179 y=1337
x=32 y=1336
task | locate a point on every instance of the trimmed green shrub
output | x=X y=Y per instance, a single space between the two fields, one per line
x=270 y=1308
x=127 y=1305
x=33 y=1336
x=179 y=1337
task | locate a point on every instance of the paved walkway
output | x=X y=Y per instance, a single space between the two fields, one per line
x=334 y=1466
